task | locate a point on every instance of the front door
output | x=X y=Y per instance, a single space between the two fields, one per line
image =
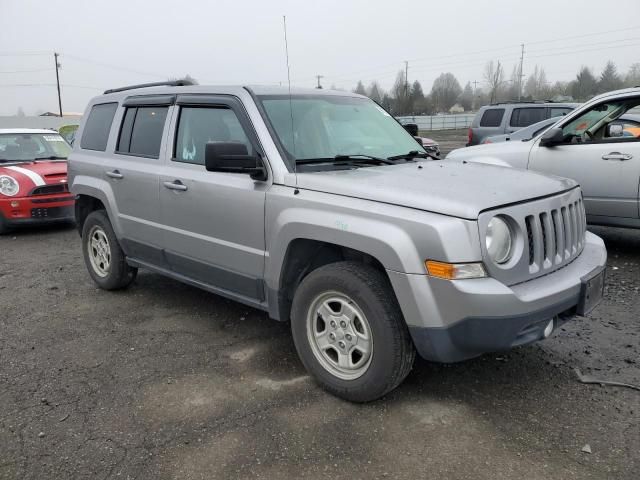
x=605 y=161
x=213 y=222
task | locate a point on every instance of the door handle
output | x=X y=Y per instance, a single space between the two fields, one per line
x=114 y=174
x=617 y=156
x=175 y=185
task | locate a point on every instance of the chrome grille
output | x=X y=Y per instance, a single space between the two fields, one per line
x=555 y=236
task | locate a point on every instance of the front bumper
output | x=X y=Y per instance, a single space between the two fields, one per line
x=36 y=210
x=451 y=321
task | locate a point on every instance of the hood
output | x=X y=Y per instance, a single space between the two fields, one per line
x=514 y=153
x=36 y=174
x=459 y=189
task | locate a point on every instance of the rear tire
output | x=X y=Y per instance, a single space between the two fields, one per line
x=103 y=256
x=349 y=332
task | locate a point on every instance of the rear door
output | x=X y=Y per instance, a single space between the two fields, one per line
x=607 y=167
x=522 y=117
x=213 y=221
x=132 y=172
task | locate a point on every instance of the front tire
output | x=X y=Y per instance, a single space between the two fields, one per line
x=103 y=256
x=349 y=332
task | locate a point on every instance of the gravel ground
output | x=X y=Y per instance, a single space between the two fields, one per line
x=166 y=381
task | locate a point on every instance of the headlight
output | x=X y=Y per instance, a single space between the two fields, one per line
x=499 y=240
x=8 y=186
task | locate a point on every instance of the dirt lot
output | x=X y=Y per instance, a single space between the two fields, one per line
x=167 y=381
x=447 y=139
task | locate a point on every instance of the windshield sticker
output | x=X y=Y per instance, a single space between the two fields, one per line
x=53 y=138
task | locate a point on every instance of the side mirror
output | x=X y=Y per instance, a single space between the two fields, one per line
x=233 y=157
x=615 y=130
x=552 y=137
x=412 y=128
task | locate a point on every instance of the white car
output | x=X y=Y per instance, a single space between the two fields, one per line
x=592 y=145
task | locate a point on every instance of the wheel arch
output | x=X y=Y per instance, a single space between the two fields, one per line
x=303 y=256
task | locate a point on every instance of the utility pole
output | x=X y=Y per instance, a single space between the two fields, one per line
x=319 y=77
x=475 y=93
x=406 y=79
x=520 y=73
x=55 y=57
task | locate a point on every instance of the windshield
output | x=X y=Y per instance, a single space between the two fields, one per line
x=327 y=126
x=30 y=146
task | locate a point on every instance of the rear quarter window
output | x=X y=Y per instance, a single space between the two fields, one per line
x=492 y=117
x=97 y=127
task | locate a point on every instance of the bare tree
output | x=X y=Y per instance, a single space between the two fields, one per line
x=632 y=78
x=374 y=92
x=400 y=95
x=494 y=77
x=466 y=98
x=360 y=90
x=445 y=92
x=536 y=87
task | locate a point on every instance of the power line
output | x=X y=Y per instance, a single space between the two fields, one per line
x=350 y=75
x=115 y=67
x=64 y=85
x=23 y=54
x=616 y=42
x=27 y=71
x=585 y=50
x=637 y=27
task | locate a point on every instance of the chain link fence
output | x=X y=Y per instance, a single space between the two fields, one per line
x=439 y=122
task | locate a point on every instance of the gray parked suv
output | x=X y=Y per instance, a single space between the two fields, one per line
x=320 y=209
x=503 y=118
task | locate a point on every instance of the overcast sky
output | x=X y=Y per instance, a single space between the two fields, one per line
x=222 y=42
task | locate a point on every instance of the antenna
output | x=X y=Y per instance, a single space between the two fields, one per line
x=293 y=138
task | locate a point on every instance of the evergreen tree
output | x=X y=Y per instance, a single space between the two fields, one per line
x=609 y=80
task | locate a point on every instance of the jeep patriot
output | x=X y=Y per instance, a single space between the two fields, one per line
x=320 y=209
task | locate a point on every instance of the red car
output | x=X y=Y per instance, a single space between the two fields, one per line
x=33 y=178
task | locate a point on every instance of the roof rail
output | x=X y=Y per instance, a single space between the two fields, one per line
x=169 y=83
x=525 y=101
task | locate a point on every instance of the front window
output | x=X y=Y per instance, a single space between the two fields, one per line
x=591 y=126
x=26 y=147
x=323 y=126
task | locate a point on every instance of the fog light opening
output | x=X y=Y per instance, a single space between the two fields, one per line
x=548 y=329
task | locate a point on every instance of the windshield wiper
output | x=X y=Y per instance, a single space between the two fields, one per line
x=410 y=155
x=353 y=159
x=52 y=157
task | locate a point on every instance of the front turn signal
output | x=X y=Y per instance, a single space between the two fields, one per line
x=455 y=271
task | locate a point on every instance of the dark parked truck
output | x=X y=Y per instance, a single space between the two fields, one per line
x=319 y=208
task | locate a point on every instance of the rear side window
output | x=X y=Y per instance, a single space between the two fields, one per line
x=492 y=117
x=141 y=131
x=523 y=117
x=96 y=129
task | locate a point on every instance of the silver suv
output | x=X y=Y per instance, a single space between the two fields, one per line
x=504 y=118
x=320 y=209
